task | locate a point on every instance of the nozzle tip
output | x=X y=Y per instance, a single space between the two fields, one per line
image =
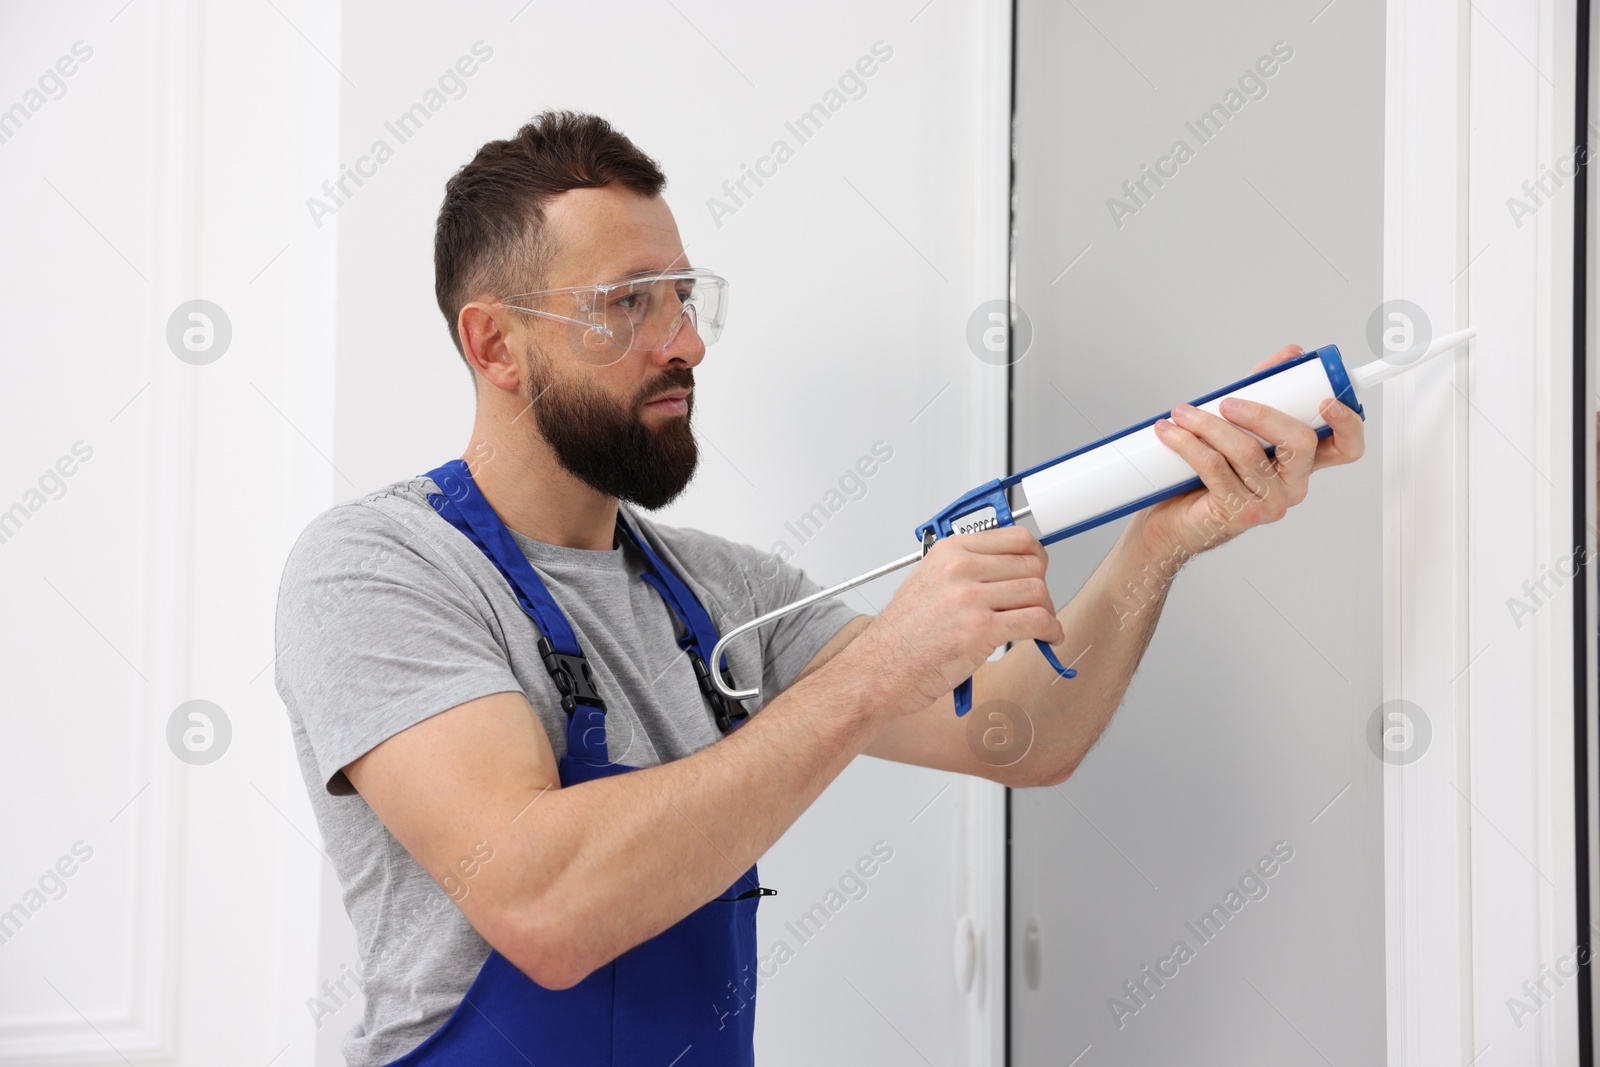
x=1382 y=370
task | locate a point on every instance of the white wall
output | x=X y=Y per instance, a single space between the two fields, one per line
x=166 y=171
x=179 y=163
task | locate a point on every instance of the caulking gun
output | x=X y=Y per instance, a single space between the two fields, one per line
x=1117 y=475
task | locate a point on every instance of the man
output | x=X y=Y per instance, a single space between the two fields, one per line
x=545 y=819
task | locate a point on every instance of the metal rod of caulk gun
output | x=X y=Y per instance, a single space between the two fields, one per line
x=788 y=609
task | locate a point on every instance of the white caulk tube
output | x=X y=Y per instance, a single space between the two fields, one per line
x=1133 y=469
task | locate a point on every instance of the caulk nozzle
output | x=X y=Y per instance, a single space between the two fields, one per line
x=1364 y=378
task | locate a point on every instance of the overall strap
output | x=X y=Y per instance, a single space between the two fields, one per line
x=461 y=503
x=700 y=634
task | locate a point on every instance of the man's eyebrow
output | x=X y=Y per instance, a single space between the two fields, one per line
x=680 y=261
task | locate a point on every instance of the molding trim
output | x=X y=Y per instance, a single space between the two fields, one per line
x=146 y=1025
x=1474 y=453
x=989 y=416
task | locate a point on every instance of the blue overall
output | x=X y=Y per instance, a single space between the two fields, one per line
x=684 y=997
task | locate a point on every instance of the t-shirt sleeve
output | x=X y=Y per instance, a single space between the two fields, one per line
x=373 y=636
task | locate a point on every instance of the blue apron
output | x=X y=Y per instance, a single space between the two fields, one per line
x=687 y=995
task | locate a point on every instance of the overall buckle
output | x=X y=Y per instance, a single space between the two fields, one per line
x=572 y=676
x=726 y=712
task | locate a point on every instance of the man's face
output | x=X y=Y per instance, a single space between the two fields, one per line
x=608 y=425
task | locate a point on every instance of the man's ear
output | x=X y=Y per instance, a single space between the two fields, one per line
x=486 y=343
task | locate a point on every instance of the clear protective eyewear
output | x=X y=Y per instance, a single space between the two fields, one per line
x=642 y=312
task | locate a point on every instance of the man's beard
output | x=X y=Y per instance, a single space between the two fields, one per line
x=607 y=445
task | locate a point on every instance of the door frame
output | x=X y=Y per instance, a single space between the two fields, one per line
x=1478 y=457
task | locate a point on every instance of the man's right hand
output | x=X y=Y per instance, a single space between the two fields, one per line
x=968 y=596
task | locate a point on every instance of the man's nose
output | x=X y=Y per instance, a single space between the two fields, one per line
x=685 y=345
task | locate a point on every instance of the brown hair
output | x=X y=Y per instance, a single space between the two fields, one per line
x=490 y=235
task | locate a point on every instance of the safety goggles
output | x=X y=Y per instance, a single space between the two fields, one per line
x=642 y=312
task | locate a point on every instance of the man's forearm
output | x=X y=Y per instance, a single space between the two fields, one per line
x=1108 y=625
x=619 y=859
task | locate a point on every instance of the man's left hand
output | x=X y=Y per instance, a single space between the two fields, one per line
x=1243 y=487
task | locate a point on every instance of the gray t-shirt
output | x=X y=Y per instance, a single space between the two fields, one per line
x=387 y=615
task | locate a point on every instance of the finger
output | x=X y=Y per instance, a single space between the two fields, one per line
x=1007 y=540
x=1282 y=355
x=1295 y=443
x=1244 y=453
x=1026 y=624
x=998 y=567
x=1212 y=466
x=1010 y=539
x=1347 y=442
x=981 y=556
x=1017 y=593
